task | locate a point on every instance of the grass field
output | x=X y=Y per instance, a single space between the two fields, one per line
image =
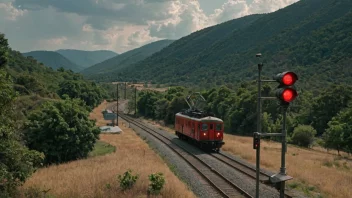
x=102 y=148
x=97 y=176
x=315 y=172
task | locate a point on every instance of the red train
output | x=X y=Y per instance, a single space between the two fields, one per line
x=203 y=129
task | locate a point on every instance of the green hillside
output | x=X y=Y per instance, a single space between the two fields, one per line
x=44 y=113
x=36 y=83
x=53 y=60
x=104 y=69
x=86 y=59
x=311 y=37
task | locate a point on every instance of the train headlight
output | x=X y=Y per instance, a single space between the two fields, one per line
x=204 y=134
x=218 y=134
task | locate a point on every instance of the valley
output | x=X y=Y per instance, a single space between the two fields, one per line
x=186 y=85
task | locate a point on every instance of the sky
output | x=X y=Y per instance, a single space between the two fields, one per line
x=117 y=25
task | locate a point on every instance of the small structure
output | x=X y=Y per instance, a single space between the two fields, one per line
x=109 y=115
x=110 y=129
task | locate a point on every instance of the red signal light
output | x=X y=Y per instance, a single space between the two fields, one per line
x=286 y=78
x=288 y=94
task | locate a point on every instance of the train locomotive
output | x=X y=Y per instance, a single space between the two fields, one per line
x=202 y=128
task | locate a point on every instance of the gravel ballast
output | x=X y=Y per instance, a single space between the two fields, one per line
x=191 y=177
x=181 y=168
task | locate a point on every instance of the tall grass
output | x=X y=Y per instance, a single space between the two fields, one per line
x=97 y=176
x=313 y=171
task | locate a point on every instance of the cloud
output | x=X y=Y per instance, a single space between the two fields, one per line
x=118 y=25
x=238 y=8
x=187 y=16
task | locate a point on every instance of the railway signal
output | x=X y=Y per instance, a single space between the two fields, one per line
x=256 y=141
x=286 y=92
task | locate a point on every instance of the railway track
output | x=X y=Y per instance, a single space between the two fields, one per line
x=243 y=168
x=239 y=166
x=224 y=186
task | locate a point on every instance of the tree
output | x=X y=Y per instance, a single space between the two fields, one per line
x=17 y=162
x=3 y=50
x=161 y=108
x=175 y=106
x=62 y=131
x=332 y=101
x=303 y=135
x=146 y=103
x=339 y=134
x=89 y=92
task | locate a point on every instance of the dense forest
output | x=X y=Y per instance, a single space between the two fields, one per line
x=313 y=119
x=43 y=117
x=311 y=37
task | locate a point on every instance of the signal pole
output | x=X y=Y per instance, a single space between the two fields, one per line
x=286 y=93
x=284 y=149
x=259 y=127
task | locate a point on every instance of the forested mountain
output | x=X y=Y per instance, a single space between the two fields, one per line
x=36 y=82
x=86 y=59
x=53 y=60
x=102 y=70
x=39 y=107
x=310 y=37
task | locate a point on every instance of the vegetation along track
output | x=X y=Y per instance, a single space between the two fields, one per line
x=213 y=177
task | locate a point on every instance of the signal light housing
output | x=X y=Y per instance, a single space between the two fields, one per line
x=286 y=78
x=286 y=93
x=256 y=142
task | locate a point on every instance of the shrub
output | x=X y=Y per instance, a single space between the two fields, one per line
x=157 y=182
x=303 y=135
x=127 y=180
x=61 y=130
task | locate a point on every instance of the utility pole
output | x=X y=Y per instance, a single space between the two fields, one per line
x=117 y=104
x=135 y=101
x=125 y=90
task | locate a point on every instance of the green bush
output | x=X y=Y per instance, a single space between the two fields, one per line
x=61 y=130
x=303 y=135
x=127 y=180
x=157 y=182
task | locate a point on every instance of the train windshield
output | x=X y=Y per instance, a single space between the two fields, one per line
x=204 y=127
x=218 y=127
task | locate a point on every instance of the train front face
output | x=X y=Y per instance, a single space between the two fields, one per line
x=211 y=132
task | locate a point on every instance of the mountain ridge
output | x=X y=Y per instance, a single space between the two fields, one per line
x=53 y=59
x=85 y=58
x=125 y=59
x=231 y=59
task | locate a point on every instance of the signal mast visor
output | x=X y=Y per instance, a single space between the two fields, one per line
x=286 y=78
